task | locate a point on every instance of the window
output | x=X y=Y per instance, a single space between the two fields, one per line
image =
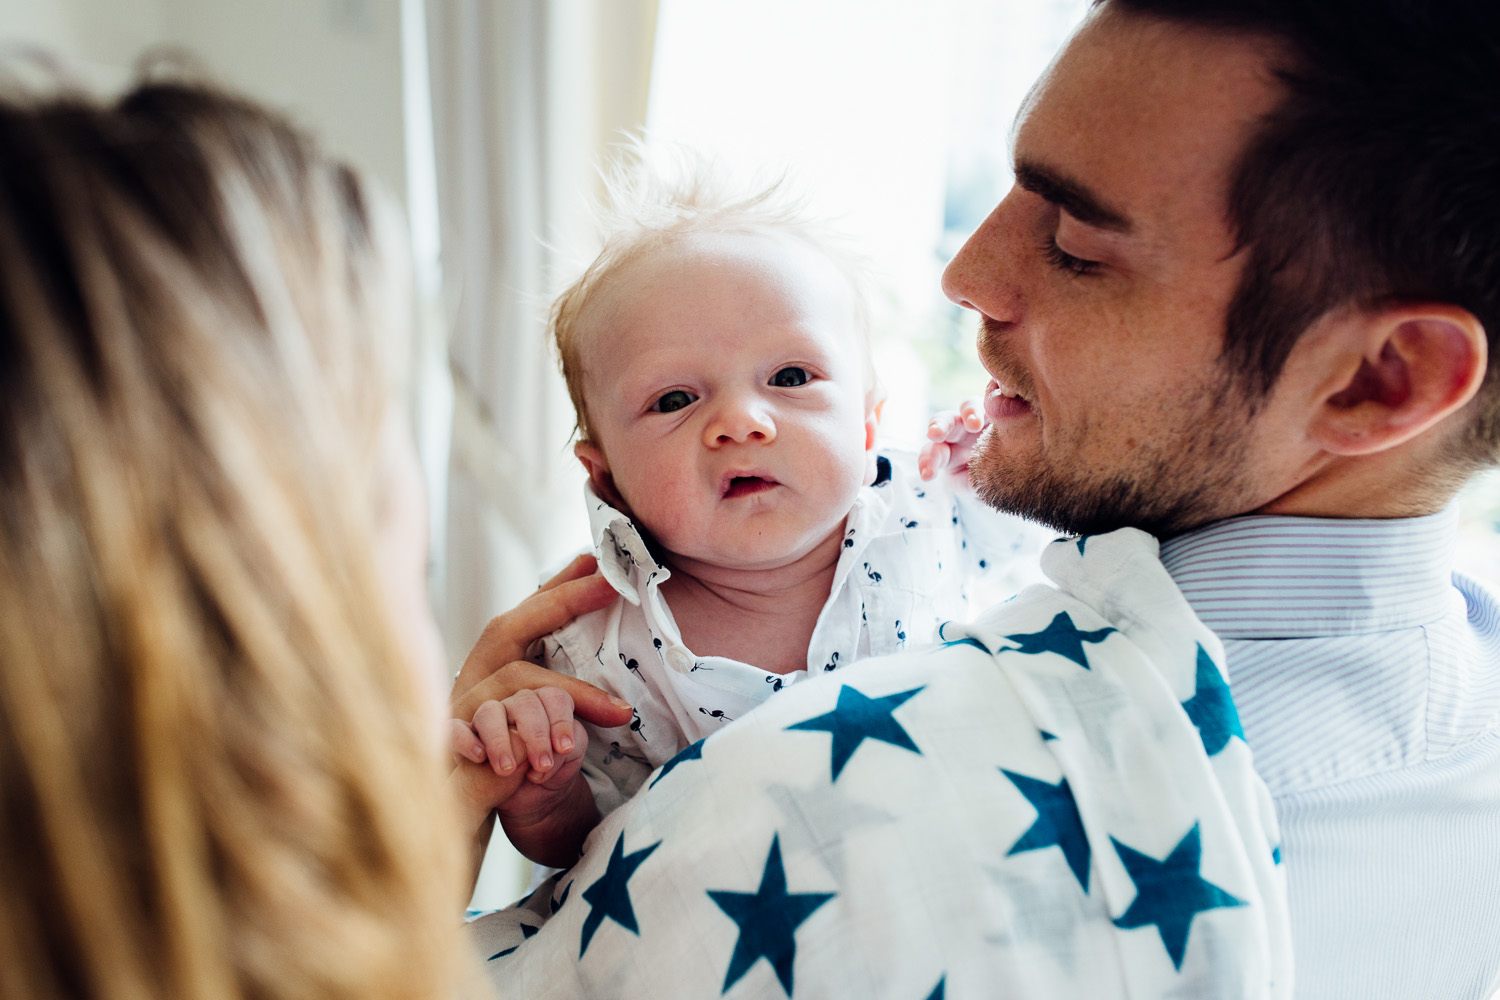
x=894 y=118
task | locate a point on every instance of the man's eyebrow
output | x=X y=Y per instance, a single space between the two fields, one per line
x=1072 y=197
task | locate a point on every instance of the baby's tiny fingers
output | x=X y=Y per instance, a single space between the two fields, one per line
x=940 y=427
x=463 y=743
x=932 y=459
x=492 y=725
x=935 y=459
x=973 y=418
x=559 y=706
x=529 y=716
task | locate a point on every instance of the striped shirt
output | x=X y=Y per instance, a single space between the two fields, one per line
x=1367 y=675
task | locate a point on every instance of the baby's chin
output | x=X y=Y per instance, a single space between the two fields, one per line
x=753 y=553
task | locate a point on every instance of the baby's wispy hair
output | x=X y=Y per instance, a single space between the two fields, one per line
x=659 y=193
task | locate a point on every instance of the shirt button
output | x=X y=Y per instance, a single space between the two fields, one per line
x=678 y=659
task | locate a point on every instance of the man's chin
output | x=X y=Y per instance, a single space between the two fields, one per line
x=1072 y=505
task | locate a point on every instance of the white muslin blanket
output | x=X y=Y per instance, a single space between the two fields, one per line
x=1058 y=803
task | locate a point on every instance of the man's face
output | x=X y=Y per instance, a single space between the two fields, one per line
x=1103 y=280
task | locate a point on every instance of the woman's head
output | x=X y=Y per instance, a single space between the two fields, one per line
x=216 y=776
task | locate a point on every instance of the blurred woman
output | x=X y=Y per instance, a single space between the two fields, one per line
x=219 y=773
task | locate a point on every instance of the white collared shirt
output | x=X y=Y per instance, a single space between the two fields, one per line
x=912 y=553
x=1367 y=675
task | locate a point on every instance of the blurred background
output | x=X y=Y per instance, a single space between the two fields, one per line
x=486 y=120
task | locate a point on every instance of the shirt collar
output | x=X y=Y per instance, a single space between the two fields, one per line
x=624 y=557
x=1271 y=577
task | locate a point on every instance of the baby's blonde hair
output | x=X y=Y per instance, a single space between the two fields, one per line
x=653 y=200
x=216 y=777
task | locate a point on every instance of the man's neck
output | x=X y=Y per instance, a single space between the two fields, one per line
x=764 y=616
x=1373 y=487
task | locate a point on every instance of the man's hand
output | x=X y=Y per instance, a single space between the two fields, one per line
x=950 y=440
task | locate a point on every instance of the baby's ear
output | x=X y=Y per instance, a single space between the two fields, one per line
x=874 y=404
x=600 y=477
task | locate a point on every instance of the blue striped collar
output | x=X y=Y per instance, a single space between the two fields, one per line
x=1270 y=577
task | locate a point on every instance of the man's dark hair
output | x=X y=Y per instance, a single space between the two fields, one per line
x=1376 y=178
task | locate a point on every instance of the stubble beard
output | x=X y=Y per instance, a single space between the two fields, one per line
x=1161 y=487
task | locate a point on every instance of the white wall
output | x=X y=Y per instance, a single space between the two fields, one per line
x=333 y=65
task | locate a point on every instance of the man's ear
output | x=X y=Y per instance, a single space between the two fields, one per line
x=600 y=477
x=1409 y=369
x=874 y=404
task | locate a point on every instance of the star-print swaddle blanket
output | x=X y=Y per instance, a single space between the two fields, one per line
x=1059 y=802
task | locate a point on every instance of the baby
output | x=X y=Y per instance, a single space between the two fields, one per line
x=716 y=356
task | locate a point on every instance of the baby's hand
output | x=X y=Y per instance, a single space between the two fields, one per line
x=950 y=440
x=543 y=719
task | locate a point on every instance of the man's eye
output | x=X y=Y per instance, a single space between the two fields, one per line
x=674 y=400
x=789 y=377
x=1064 y=261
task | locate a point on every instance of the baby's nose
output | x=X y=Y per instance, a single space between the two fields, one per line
x=740 y=421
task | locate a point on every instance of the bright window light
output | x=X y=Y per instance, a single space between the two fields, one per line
x=893 y=117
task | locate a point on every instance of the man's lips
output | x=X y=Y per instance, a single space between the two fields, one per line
x=743 y=484
x=1001 y=403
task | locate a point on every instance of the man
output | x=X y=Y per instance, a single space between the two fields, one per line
x=1249 y=268
x=1268 y=282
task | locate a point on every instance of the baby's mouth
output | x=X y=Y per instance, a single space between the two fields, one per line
x=743 y=486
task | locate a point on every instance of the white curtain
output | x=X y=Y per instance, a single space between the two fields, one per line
x=527 y=95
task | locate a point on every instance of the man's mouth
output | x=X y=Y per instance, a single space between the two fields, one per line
x=745 y=485
x=1002 y=402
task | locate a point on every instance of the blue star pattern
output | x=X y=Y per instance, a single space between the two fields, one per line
x=1170 y=892
x=610 y=896
x=970 y=855
x=693 y=751
x=857 y=718
x=768 y=919
x=1061 y=637
x=968 y=640
x=527 y=932
x=1057 y=823
x=1212 y=707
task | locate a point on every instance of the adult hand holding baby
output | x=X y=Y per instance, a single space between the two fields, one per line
x=515 y=732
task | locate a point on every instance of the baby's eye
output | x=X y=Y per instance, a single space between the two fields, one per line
x=674 y=400
x=789 y=377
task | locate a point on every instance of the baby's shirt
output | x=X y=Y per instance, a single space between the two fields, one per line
x=912 y=553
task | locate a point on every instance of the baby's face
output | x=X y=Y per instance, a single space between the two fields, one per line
x=727 y=400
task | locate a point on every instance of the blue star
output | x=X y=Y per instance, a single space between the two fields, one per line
x=857 y=718
x=527 y=933
x=1057 y=823
x=1046 y=736
x=693 y=751
x=610 y=897
x=1081 y=543
x=1170 y=893
x=1212 y=708
x=557 y=904
x=937 y=991
x=967 y=640
x=768 y=920
x=1061 y=637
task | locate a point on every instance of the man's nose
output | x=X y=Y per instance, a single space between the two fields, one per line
x=981 y=276
x=738 y=419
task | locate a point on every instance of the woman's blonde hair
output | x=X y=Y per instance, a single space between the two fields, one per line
x=216 y=775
